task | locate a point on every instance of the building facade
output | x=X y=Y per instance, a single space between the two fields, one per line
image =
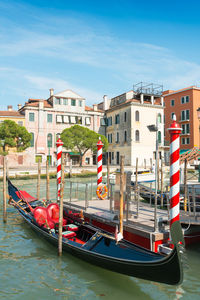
x=128 y=118
x=184 y=103
x=45 y=119
x=14 y=157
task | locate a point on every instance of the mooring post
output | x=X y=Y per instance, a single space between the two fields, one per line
x=61 y=208
x=59 y=145
x=185 y=185
x=4 y=190
x=121 y=210
x=136 y=187
x=38 y=179
x=47 y=180
x=108 y=177
x=86 y=196
x=161 y=188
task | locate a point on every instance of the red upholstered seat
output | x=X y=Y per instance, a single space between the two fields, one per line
x=68 y=234
x=53 y=213
x=41 y=217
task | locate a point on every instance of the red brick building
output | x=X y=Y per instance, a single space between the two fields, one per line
x=184 y=103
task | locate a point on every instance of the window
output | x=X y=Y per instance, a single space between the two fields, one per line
x=66 y=119
x=185 y=141
x=110 y=138
x=57 y=137
x=87 y=121
x=185 y=128
x=125 y=136
x=185 y=115
x=117 y=119
x=117 y=137
x=172 y=102
x=65 y=101
x=73 y=102
x=49 y=140
x=38 y=158
x=125 y=116
x=172 y=114
x=32 y=139
x=31 y=117
x=159 y=137
x=73 y=120
x=58 y=119
x=185 y=99
x=117 y=158
x=112 y=155
x=78 y=120
x=103 y=121
x=159 y=118
x=49 y=118
x=109 y=121
x=137 y=136
x=80 y=103
x=58 y=101
x=137 y=116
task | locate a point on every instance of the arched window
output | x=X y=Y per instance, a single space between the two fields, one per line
x=137 y=136
x=32 y=139
x=49 y=140
x=159 y=137
x=137 y=116
x=159 y=118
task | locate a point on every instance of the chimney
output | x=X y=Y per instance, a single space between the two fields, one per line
x=19 y=106
x=51 y=92
x=105 y=102
x=10 y=108
x=95 y=107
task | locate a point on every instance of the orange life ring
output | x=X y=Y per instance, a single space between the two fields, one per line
x=99 y=191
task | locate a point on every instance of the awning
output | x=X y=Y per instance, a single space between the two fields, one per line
x=73 y=120
x=66 y=119
x=73 y=153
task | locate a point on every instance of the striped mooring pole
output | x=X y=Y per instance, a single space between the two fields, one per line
x=174 y=194
x=59 y=145
x=99 y=162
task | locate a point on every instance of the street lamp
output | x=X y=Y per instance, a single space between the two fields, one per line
x=154 y=128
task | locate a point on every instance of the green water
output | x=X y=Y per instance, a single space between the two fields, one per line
x=31 y=269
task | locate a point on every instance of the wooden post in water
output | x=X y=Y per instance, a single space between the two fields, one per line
x=136 y=187
x=161 y=188
x=38 y=179
x=108 y=178
x=61 y=207
x=151 y=164
x=145 y=163
x=47 y=180
x=185 y=184
x=4 y=190
x=121 y=210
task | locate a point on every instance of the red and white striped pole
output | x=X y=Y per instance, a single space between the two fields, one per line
x=99 y=162
x=59 y=145
x=174 y=194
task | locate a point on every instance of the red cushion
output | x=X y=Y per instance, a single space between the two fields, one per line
x=53 y=213
x=68 y=234
x=72 y=227
x=41 y=217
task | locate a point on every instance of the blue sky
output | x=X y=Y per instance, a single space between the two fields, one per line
x=96 y=47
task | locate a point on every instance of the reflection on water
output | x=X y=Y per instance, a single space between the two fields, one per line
x=31 y=269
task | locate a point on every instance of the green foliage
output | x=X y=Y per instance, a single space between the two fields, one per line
x=81 y=139
x=14 y=136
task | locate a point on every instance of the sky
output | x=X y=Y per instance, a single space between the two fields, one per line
x=96 y=48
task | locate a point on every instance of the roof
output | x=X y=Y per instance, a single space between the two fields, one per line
x=13 y=113
x=68 y=94
x=35 y=103
x=170 y=92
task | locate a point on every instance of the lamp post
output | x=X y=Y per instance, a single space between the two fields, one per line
x=154 y=128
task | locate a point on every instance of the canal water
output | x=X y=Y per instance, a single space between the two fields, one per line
x=30 y=268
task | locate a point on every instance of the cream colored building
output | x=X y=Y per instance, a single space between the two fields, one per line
x=128 y=116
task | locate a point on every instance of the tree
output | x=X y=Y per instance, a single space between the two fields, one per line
x=81 y=139
x=13 y=135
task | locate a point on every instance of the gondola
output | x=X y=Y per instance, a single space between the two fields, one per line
x=94 y=245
